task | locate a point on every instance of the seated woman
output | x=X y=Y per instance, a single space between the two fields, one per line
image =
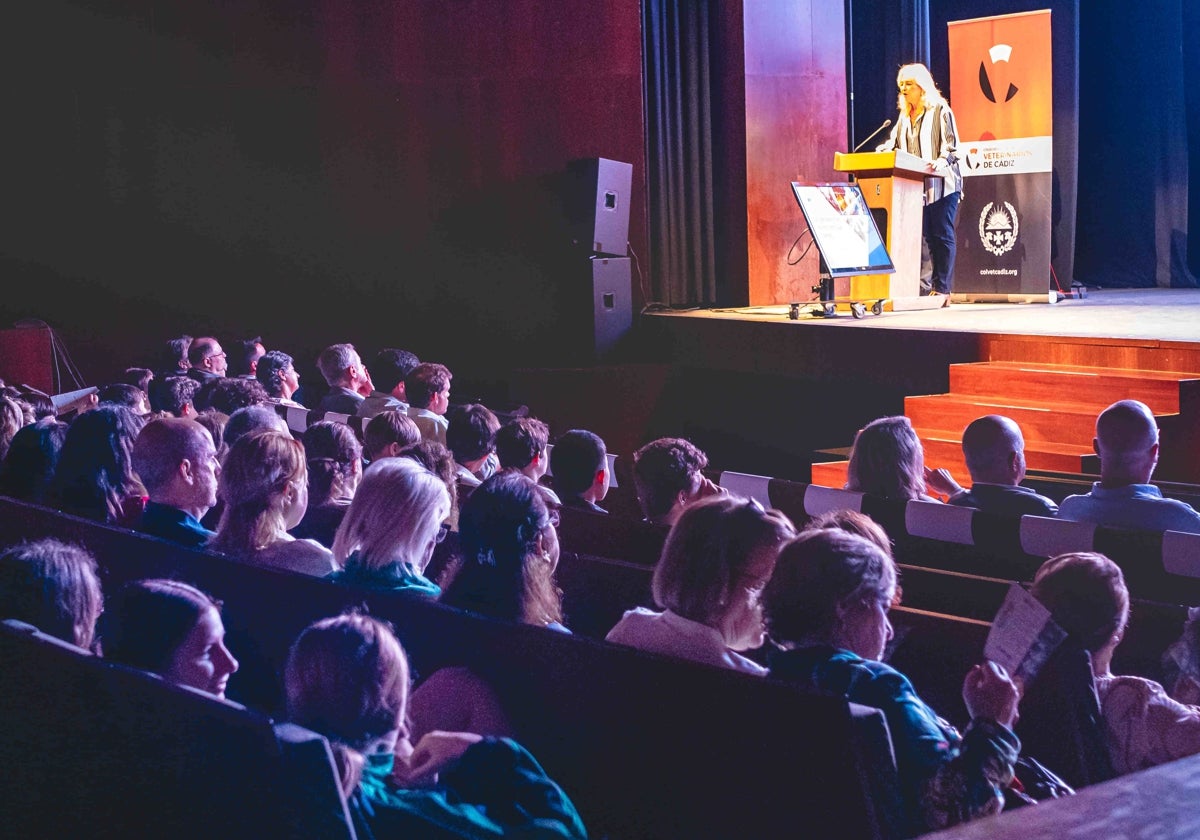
x=264 y=487
x=826 y=607
x=94 y=477
x=717 y=558
x=1086 y=594
x=509 y=553
x=334 y=470
x=387 y=537
x=54 y=586
x=887 y=460
x=28 y=468
x=170 y=629
x=347 y=678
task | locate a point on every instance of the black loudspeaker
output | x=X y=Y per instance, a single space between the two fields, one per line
x=600 y=321
x=597 y=205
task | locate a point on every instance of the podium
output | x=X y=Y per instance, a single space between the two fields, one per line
x=893 y=184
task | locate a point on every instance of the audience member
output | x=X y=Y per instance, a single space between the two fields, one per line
x=440 y=461
x=170 y=629
x=130 y=396
x=12 y=420
x=138 y=377
x=174 y=360
x=174 y=394
x=253 y=418
x=276 y=372
x=715 y=562
x=387 y=537
x=246 y=353
x=334 y=471
x=668 y=475
x=53 y=585
x=347 y=678
x=206 y=360
x=509 y=554
x=228 y=394
x=1086 y=594
x=215 y=421
x=1127 y=443
x=427 y=387
x=177 y=462
x=347 y=378
x=28 y=468
x=471 y=437
x=995 y=452
x=887 y=460
x=264 y=487
x=579 y=464
x=388 y=371
x=521 y=444
x=826 y=606
x=95 y=477
x=388 y=432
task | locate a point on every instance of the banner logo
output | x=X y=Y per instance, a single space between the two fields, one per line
x=998 y=58
x=998 y=227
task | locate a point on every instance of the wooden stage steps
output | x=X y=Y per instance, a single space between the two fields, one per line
x=1056 y=406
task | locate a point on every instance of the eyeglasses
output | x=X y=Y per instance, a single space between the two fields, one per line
x=443 y=530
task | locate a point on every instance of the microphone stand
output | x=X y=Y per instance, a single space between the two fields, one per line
x=882 y=126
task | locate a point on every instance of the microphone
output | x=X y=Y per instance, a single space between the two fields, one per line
x=885 y=124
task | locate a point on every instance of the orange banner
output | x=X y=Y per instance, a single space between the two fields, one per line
x=1000 y=79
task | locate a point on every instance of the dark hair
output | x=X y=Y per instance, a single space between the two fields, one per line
x=139 y=377
x=1086 y=594
x=424 y=382
x=391 y=367
x=662 y=469
x=439 y=460
x=28 y=468
x=175 y=354
x=887 y=460
x=332 y=451
x=243 y=356
x=52 y=585
x=520 y=440
x=215 y=422
x=252 y=418
x=270 y=371
x=120 y=393
x=95 y=473
x=387 y=427
x=574 y=461
x=502 y=575
x=147 y=620
x=227 y=394
x=172 y=393
x=471 y=431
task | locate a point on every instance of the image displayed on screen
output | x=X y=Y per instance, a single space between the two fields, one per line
x=843 y=228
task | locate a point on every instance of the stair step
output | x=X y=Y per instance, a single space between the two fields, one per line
x=1044 y=422
x=941 y=451
x=1027 y=383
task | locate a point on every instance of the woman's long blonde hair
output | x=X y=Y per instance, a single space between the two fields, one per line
x=919 y=73
x=254 y=481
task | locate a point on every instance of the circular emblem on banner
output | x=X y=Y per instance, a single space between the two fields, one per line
x=998 y=228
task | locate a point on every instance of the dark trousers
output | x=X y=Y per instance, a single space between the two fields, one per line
x=939 y=220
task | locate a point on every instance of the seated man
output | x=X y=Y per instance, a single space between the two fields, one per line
x=521 y=445
x=276 y=372
x=388 y=372
x=177 y=461
x=471 y=436
x=173 y=357
x=995 y=451
x=347 y=378
x=1127 y=443
x=207 y=360
x=387 y=433
x=428 y=391
x=668 y=477
x=246 y=354
x=579 y=464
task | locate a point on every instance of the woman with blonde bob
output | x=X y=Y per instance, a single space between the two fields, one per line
x=264 y=485
x=717 y=558
x=347 y=678
x=387 y=537
x=1086 y=593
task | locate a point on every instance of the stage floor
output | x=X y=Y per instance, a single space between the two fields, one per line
x=1164 y=315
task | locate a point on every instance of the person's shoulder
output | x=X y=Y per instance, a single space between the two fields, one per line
x=631 y=623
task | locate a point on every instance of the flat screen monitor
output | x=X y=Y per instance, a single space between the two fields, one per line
x=843 y=228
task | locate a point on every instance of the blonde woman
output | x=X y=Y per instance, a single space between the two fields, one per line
x=264 y=485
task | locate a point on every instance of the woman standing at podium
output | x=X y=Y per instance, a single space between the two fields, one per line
x=927 y=129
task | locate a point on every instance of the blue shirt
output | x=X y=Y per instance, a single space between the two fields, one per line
x=171 y=523
x=394 y=577
x=1140 y=507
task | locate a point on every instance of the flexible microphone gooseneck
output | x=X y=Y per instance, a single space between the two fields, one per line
x=885 y=124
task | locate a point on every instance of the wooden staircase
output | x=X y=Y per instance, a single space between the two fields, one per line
x=1056 y=407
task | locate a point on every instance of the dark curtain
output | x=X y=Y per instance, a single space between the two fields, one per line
x=884 y=34
x=678 y=64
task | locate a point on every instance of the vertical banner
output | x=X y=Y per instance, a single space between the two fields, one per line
x=1002 y=97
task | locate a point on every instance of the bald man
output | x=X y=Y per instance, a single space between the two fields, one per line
x=1127 y=443
x=995 y=452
